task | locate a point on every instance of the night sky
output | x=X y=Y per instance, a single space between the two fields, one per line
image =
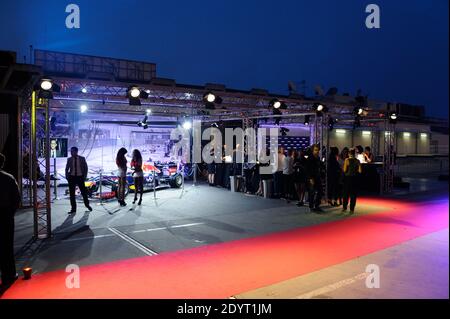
x=256 y=43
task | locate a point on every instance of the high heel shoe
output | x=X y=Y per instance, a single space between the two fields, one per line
x=134 y=201
x=140 y=202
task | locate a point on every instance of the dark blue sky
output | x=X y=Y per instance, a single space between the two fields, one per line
x=256 y=43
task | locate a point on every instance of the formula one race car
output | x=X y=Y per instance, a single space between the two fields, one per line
x=159 y=175
x=155 y=176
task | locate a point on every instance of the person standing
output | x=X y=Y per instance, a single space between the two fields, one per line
x=76 y=173
x=313 y=171
x=138 y=176
x=288 y=171
x=121 y=163
x=352 y=169
x=278 y=175
x=211 y=167
x=333 y=176
x=300 y=176
x=9 y=202
x=360 y=154
x=342 y=157
x=368 y=156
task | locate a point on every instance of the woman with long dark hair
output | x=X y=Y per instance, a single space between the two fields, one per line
x=352 y=171
x=138 y=175
x=121 y=163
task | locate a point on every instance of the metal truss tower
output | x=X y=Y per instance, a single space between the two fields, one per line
x=40 y=166
x=389 y=156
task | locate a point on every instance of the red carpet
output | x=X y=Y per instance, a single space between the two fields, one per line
x=222 y=270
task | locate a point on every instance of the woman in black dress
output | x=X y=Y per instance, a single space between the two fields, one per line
x=211 y=169
x=121 y=162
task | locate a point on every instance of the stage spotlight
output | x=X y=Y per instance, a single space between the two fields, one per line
x=187 y=125
x=275 y=103
x=83 y=90
x=393 y=117
x=83 y=108
x=46 y=88
x=46 y=84
x=307 y=118
x=358 y=111
x=134 y=92
x=320 y=109
x=210 y=99
x=148 y=111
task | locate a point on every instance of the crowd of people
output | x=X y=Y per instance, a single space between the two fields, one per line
x=300 y=176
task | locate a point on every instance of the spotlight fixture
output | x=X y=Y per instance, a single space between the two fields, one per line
x=307 y=119
x=134 y=94
x=46 y=84
x=83 y=108
x=210 y=99
x=148 y=111
x=46 y=88
x=320 y=109
x=358 y=111
x=83 y=90
x=275 y=103
x=393 y=117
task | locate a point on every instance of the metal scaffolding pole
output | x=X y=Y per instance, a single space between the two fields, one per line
x=40 y=138
x=389 y=156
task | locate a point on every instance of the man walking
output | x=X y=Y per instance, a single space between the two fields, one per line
x=9 y=202
x=76 y=173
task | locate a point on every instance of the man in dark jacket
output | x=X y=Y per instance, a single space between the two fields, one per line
x=76 y=173
x=9 y=202
x=313 y=173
